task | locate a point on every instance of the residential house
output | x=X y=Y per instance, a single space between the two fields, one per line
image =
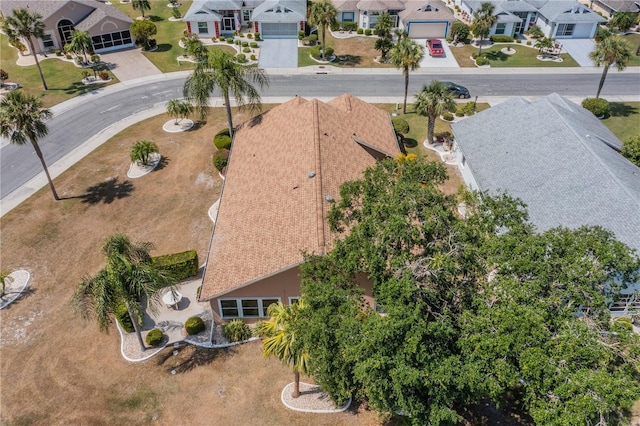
x=284 y=174
x=271 y=18
x=613 y=6
x=556 y=18
x=559 y=159
x=107 y=26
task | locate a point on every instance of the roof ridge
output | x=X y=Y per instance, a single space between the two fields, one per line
x=315 y=117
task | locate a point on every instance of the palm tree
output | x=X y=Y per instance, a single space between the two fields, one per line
x=483 y=20
x=406 y=55
x=178 y=109
x=80 y=42
x=5 y=278
x=383 y=25
x=433 y=101
x=21 y=119
x=142 y=150
x=221 y=71
x=25 y=25
x=611 y=50
x=141 y=5
x=322 y=14
x=280 y=340
x=545 y=44
x=621 y=20
x=128 y=277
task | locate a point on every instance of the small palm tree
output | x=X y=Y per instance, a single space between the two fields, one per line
x=221 y=71
x=406 y=55
x=178 y=109
x=80 y=42
x=141 y=5
x=22 y=118
x=483 y=20
x=281 y=342
x=142 y=150
x=128 y=277
x=322 y=13
x=383 y=45
x=611 y=50
x=621 y=20
x=545 y=44
x=433 y=101
x=5 y=278
x=383 y=25
x=25 y=25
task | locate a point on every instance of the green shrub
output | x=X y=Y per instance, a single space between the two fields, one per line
x=335 y=26
x=257 y=36
x=236 y=42
x=631 y=149
x=236 y=331
x=518 y=41
x=367 y=32
x=400 y=125
x=213 y=39
x=360 y=31
x=253 y=57
x=482 y=61
x=599 y=107
x=179 y=265
x=315 y=52
x=253 y=44
x=528 y=42
x=469 y=108
x=624 y=323
x=230 y=40
x=300 y=35
x=154 y=337
x=249 y=35
x=58 y=52
x=460 y=29
x=328 y=53
x=256 y=329
x=474 y=55
x=311 y=40
x=220 y=159
x=246 y=50
x=447 y=116
x=122 y=316
x=459 y=113
x=349 y=26
x=67 y=55
x=245 y=44
x=95 y=58
x=501 y=39
x=534 y=31
x=222 y=140
x=194 y=325
x=241 y=57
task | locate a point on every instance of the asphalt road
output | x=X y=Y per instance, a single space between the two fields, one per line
x=71 y=128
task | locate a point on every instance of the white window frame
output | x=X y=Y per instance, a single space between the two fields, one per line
x=51 y=39
x=294 y=299
x=238 y=300
x=351 y=18
x=501 y=28
x=200 y=28
x=565 y=27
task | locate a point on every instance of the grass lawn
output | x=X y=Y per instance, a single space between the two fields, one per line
x=624 y=120
x=525 y=56
x=357 y=52
x=634 y=41
x=64 y=79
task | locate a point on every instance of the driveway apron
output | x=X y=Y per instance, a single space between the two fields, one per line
x=579 y=49
x=130 y=64
x=278 y=53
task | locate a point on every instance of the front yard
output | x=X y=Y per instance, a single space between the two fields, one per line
x=353 y=52
x=624 y=120
x=634 y=41
x=525 y=56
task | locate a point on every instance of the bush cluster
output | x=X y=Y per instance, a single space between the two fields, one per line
x=300 y=35
x=179 y=265
x=469 y=108
x=459 y=113
x=599 y=107
x=631 y=149
x=122 y=316
x=447 y=116
x=461 y=30
x=220 y=159
x=236 y=331
x=194 y=325
x=348 y=26
x=310 y=40
x=367 y=32
x=400 y=125
x=230 y=40
x=257 y=36
x=154 y=337
x=316 y=52
x=360 y=31
x=482 y=61
x=501 y=39
x=241 y=57
x=222 y=140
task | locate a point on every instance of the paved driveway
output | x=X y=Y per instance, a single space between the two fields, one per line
x=130 y=64
x=278 y=53
x=579 y=49
x=446 y=61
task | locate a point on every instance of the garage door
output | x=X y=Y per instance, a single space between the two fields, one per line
x=427 y=30
x=279 y=30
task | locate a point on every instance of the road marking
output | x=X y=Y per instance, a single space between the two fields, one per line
x=109 y=109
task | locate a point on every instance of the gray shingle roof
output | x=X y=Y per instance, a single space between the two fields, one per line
x=621 y=5
x=559 y=159
x=48 y=8
x=569 y=11
x=268 y=11
x=208 y=7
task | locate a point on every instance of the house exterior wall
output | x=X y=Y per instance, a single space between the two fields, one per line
x=74 y=12
x=463 y=167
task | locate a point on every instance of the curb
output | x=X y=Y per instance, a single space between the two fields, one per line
x=310 y=410
x=24 y=286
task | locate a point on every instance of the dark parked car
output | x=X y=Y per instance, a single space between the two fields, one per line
x=435 y=47
x=457 y=90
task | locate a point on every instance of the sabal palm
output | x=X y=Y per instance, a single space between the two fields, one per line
x=280 y=340
x=142 y=150
x=406 y=55
x=322 y=13
x=128 y=277
x=22 y=119
x=613 y=50
x=141 y=5
x=178 y=109
x=23 y=24
x=483 y=20
x=433 y=101
x=383 y=25
x=80 y=42
x=221 y=71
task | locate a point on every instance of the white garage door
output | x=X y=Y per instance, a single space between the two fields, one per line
x=279 y=30
x=427 y=30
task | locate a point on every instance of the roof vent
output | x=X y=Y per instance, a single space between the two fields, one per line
x=312 y=174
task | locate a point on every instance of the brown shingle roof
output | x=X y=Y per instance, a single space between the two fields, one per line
x=271 y=210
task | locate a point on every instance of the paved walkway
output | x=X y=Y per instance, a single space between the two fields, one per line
x=130 y=64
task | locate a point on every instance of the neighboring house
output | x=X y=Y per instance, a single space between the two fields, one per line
x=108 y=27
x=556 y=18
x=421 y=19
x=559 y=159
x=271 y=18
x=284 y=174
x=613 y=6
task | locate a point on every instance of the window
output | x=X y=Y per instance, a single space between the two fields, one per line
x=294 y=300
x=246 y=15
x=500 y=28
x=203 y=28
x=246 y=308
x=348 y=16
x=565 y=30
x=47 y=41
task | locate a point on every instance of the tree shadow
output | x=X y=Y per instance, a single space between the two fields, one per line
x=349 y=60
x=162 y=163
x=164 y=47
x=25 y=293
x=107 y=192
x=495 y=55
x=79 y=88
x=155 y=18
x=190 y=357
x=409 y=142
x=617 y=109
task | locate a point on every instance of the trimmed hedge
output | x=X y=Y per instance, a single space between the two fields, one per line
x=360 y=31
x=154 y=337
x=236 y=331
x=122 y=316
x=367 y=31
x=599 y=107
x=221 y=159
x=501 y=39
x=400 y=125
x=447 y=116
x=222 y=140
x=194 y=325
x=180 y=265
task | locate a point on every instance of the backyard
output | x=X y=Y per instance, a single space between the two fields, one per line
x=525 y=56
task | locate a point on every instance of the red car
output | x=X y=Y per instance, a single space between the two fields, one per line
x=435 y=47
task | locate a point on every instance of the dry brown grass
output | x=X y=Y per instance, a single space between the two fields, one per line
x=56 y=370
